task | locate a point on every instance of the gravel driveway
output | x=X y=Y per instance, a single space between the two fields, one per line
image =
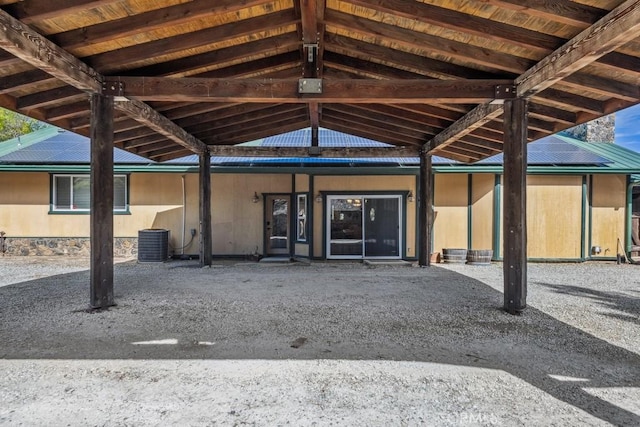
x=319 y=344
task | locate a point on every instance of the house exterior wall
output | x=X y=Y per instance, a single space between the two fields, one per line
x=482 y=219
x=608 y=207
x=451 y=206
x=237 y=223
x=562 y=222
x=554 y=217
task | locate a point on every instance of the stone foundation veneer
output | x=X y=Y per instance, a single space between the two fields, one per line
x=123 y=247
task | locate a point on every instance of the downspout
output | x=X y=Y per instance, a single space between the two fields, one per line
x=184 y=213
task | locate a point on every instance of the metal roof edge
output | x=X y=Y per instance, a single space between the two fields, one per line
x=23 y=141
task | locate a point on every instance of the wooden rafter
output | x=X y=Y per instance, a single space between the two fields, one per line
x=25 y=43
x=601 y=38
x=154 y=120
x=610 y=32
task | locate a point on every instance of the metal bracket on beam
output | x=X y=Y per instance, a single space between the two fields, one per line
x=503 y=92
x=312 y=51
x=310 y=86
x=112 y=88
x=315 y=151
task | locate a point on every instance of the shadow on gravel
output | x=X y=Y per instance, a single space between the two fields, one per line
x=315 y=312
x=627 y=306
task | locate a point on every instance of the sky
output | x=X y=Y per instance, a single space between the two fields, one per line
x=628 y=128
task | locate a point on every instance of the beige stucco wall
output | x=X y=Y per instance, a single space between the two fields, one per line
x=392 y=183
x=482 y=198
x=608 y=213
x=237 y=223
x=451 y=210
x=554 y=216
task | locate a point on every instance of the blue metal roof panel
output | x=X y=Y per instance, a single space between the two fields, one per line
x=65 y=147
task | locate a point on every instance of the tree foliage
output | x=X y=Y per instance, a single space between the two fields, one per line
x=14 y=124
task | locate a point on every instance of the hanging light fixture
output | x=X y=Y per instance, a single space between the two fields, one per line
x=410 y=197
x=255 y=198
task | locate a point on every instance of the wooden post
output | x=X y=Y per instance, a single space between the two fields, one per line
x=425 y=210
x=206 y=244
x=101 y=234
x=515 y=205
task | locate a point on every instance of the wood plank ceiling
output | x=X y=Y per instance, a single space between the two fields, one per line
x=190 y=75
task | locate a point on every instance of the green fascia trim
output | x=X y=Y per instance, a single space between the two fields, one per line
x=24 y=141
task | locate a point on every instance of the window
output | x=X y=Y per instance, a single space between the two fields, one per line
x=70 y=193
x=302 y=218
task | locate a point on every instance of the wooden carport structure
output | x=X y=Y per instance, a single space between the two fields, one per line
x=464 y=79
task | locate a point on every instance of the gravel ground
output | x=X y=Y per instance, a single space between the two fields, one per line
x=319 y=344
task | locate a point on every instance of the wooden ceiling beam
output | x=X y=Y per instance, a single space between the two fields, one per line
x=464 y=23
x=246 y=122
x=562 y=11
x=227 y=110
x=341 y=125
x=149 y=21
x=610 y=32
x=369 y=116
x=54 y=96
x=38 y=10
x=28 y=45
x=264 y=47
x=474 y=119
x=492 y=60
x=292 y=124
x=240 y=134
x=159 y=123
x=355 y=55
x=125 y=57
x=601 y=38
x=139 y=142
x=24 y=80
x=310 y=11
x=286 y=90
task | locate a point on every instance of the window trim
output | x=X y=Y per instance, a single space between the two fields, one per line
x=53 y=210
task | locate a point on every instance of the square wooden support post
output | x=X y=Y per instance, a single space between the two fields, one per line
x=101 y=204
x=206 y=244
x=515 y=205
x=425 y=210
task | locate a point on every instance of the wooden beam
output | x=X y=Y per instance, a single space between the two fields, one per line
x=467 y=53
x=220 y=57
x=477 y=117
x=127 y=56
x=464 y=23
x=618 y=27
x=325 y=152
x=563 y=11
x=23 y=42
x=159 y=123
x=206 y=239
x=515 y=206
x=38 y=10
x=286 y=90
x=425 y=210
x=101 y=203
x=149 y=21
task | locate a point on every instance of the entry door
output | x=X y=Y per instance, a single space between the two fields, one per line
x=277 y=225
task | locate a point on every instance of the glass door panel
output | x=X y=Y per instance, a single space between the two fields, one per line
x=277 y=225
x=345 y=227
x=382 y=227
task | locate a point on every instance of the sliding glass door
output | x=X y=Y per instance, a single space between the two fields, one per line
x=363 y=227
